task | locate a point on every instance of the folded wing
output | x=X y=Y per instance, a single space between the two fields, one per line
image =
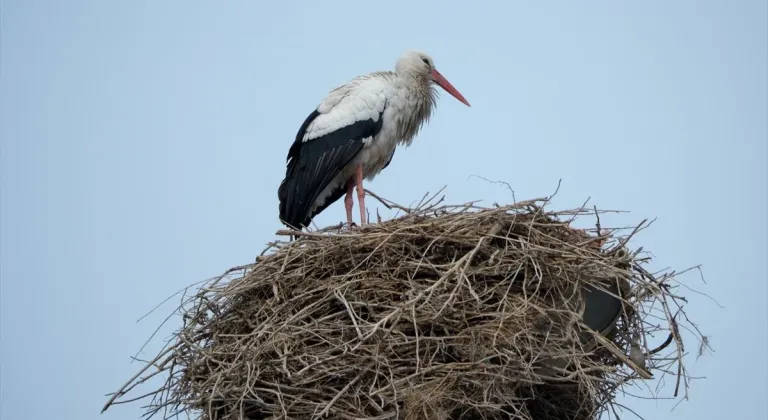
x=327 y=141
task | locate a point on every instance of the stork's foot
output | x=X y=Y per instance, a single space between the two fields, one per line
x=600 y=240
x=347 y=227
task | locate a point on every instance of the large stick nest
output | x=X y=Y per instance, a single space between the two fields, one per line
x=447 y=312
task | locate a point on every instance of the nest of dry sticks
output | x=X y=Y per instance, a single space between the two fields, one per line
x=447 y=312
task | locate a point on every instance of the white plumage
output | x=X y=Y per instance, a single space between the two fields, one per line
x=353 y=133
x=362 y=98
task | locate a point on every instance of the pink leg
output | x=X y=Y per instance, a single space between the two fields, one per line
x=348 y=202
x=360 y=193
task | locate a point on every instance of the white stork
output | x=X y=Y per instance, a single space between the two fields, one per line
x=353 y=134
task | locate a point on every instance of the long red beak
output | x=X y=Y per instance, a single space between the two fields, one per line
x=445 y=84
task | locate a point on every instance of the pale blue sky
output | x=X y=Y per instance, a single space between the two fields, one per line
x=143 y=143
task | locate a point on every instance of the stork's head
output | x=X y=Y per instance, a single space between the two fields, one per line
x=418 y=63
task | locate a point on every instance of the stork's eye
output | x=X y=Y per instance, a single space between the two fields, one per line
x=425 y=61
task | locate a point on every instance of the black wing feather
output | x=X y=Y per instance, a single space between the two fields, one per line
x=313 y=164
